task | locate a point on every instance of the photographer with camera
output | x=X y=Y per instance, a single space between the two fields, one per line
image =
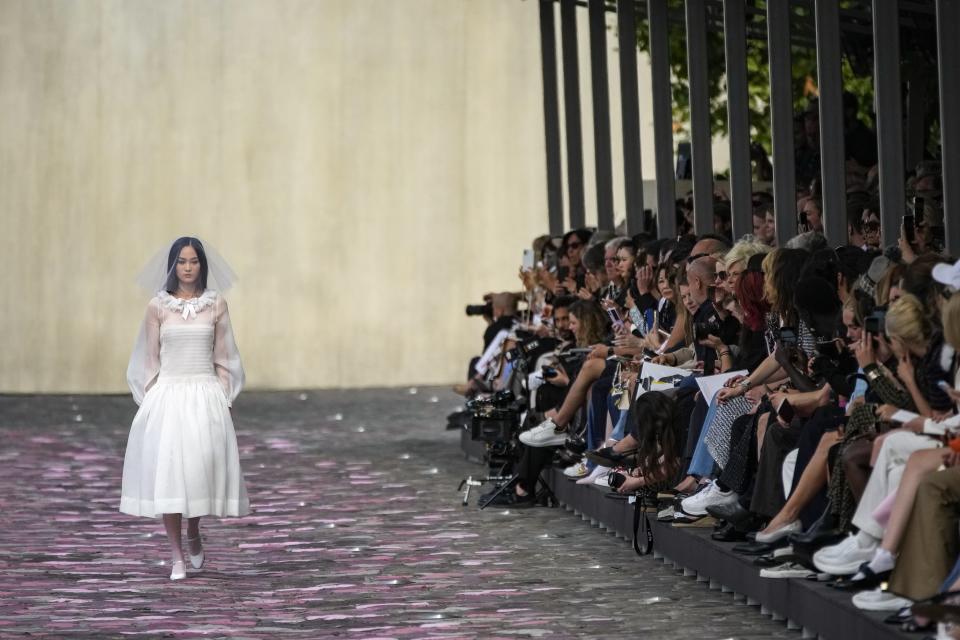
x=570 y=371
x=500 y=312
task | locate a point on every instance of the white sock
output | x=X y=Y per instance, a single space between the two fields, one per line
x=883 y=560
x=865 y=540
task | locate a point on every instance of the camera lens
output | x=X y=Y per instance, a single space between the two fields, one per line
x=616 y=479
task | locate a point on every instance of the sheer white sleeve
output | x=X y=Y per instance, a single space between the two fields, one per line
x=144 y=366
x=226 y=357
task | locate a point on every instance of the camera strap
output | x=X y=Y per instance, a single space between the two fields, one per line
x=641 y=525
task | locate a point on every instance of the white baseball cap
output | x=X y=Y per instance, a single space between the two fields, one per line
x=948 y=274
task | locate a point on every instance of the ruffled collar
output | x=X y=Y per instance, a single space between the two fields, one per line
x=187 y=308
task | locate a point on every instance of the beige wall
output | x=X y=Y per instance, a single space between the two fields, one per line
x=367 y=166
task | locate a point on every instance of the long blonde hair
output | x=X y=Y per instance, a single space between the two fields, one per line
x=951 y=321
x=907 y=320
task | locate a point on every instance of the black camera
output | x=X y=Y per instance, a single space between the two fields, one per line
x=875 y=323
x=494 y=419
x=788 y=336
x=616 y=479
x=549 y=372
x=480 y=309
x=703 y=329
x=522 y=355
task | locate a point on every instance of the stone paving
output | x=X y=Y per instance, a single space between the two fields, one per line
x=357 y=532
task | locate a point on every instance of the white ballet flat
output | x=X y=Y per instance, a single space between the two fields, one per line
x=179 y=571
x=195 y=560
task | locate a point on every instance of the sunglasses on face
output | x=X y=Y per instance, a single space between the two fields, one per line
x=721 y=276
x=574 y=245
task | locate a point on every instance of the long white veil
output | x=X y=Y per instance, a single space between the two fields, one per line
x=144 y=365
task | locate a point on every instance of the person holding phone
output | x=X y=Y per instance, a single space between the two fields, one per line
x=921 y=229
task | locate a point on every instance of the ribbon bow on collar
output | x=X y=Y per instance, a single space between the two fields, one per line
x=189 y=309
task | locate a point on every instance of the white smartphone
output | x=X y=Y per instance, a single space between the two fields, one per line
x=528 y=260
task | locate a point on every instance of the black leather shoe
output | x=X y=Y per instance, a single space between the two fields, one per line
x=821 y=533
x=563 y=459
x=607 y=457
x=757 y=548
x=733 y=513
x=576 y=445
x=509 y=498
x=728 y=533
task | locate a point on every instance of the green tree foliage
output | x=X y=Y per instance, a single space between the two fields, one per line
x=804 y=67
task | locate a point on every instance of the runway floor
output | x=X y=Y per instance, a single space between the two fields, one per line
x=357 y=532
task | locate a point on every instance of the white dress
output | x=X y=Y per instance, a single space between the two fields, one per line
x=182 y=451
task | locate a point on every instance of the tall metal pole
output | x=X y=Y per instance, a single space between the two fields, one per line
x=700 y=138
x=948 y=53
x=886 y=75
x=630 y=111
x=571 y=106
x=738 y=116
x=601 y=113
x=832 y=152
x=551 y=117
x=781 y=108
x=662 y=116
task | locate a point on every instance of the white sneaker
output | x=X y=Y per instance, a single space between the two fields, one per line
x=596 y=473
x=545 y=434
x=578 y=470
x=786 y=570
x=602 y=481
x=878 y=600
x=709 y=496
x=844 y=558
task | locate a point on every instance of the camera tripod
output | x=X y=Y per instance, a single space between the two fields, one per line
x=543 y=492
x=469 y=482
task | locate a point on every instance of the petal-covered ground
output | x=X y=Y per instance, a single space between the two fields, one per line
x=357 y=532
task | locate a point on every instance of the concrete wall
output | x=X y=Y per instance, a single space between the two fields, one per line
x=367 y=166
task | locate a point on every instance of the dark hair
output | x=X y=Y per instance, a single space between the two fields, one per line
x=654 y=422
x=563 y=302
x=918 y=280
x=786 y=265
x=175 y=249
x=823 y=263
x=582 y=234
x=724 y=240
x=593 y=257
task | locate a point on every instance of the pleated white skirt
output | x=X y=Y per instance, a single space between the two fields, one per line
x=182 y=453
